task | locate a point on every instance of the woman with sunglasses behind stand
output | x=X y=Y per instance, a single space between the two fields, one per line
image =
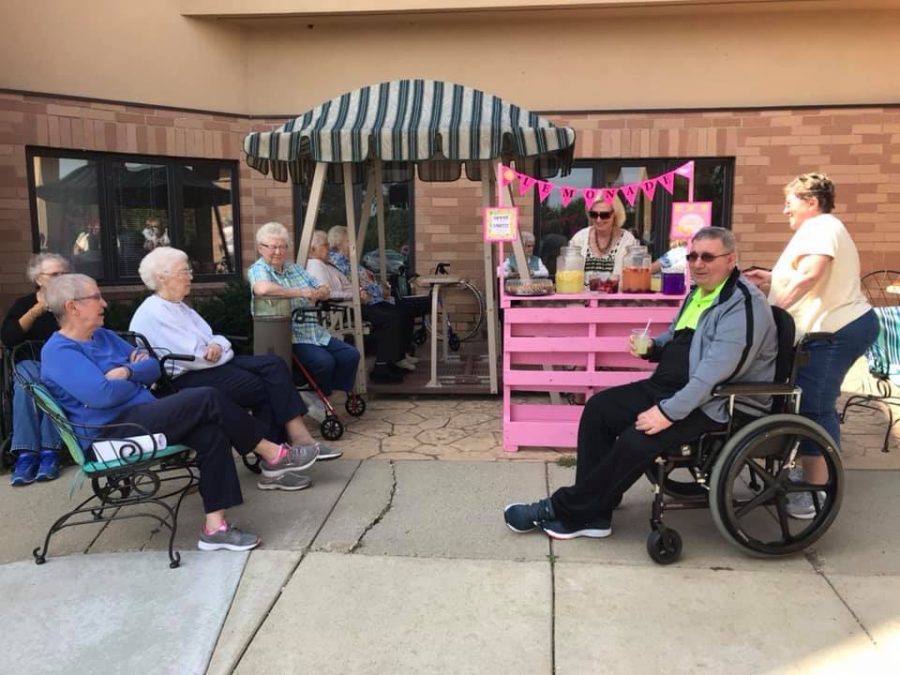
x=603 y=243
x=816 y=280
x=35 y=442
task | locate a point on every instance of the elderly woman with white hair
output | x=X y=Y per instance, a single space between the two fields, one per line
x=535 y=265
x=35 y=441
x=99 y=379
x=332 y=363
x=262 y=384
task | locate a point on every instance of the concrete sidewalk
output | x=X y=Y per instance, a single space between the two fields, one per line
x=406 y=567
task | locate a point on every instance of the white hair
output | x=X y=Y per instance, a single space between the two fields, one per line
x=527 y=238
x=319 y=237
x=337 y=235
x=37 y=262
x=160 y=262
x=272 y=229
x=66 y=287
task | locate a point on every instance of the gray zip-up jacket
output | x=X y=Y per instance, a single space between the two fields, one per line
x=735 y=341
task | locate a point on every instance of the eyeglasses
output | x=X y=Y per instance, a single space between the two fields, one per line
x=187 y=271
x=275 y=247
x=693 y=256
x=600 y=215
x=95 y=296
x=52 y=275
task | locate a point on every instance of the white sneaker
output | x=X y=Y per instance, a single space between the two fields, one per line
x=406 y=364
x=412 y=359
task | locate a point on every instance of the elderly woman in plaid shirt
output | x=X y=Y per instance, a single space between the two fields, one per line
x=331 y=362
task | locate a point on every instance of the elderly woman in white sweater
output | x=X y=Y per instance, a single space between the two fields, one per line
x=262 y=383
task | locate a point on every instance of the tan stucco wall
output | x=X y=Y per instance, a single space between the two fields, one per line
x=546 y=60
x=143 y=52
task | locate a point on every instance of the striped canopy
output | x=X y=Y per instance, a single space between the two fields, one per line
x=436 y=126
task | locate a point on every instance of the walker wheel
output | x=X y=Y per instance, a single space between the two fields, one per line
x=453 y=342
x=38 y=558
x=420 y=336
x=355 y=405
x=332 y=428
x=664 y=545
x=251 y=461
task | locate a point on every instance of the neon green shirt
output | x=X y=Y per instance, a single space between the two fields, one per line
x=699 y=303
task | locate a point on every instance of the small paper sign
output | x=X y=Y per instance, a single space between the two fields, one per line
x=501 y=223
x=688 y=218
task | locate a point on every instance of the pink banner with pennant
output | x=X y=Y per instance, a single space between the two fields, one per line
x=630 y=191
x=590 y=195
x=686 y=170
x=525 y=184
x=566 y=194
x=668 y=181
x=544 y=189
x=505 y=175
x=609 y=195
x=649 y=188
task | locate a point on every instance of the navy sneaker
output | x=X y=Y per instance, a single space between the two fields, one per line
x=49 y=466
x=597 y=529
x=528 y=517
x=25 y=469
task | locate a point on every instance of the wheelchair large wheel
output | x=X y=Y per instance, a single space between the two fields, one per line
x=751 y=481
x=7 y=458
x=355 y=405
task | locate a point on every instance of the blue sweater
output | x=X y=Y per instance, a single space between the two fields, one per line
x=74 y=372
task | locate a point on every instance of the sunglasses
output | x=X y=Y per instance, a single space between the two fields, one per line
x=693 y=256
x=600 y=215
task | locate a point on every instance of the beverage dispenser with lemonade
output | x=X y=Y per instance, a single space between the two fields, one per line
x=569 y=270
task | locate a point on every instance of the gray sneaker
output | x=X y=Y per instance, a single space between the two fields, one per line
x=290 y=481
x=299 y=457
x=326 y=452
x=231 y=539
x=800 y=504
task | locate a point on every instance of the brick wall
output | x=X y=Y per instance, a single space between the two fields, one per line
x=858 y=147
x=88 y=125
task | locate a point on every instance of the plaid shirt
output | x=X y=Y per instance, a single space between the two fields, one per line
x=293 y=276
x=367 y=281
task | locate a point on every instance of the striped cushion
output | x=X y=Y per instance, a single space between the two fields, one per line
x=884 y=355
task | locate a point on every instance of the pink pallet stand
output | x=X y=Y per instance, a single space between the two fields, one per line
x=543 y=338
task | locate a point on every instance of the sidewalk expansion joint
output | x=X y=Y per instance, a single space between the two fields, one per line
x=387 y=507
x=551 y=557
x=813 y=558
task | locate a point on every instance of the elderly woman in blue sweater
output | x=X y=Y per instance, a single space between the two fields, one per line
x=98 y=379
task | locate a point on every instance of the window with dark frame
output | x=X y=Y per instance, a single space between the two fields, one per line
x=106 y=211
x=648 y=220
x=399 y=210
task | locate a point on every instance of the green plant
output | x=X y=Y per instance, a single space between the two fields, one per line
x=228 y=313
x=566 y=461
x=119 y=312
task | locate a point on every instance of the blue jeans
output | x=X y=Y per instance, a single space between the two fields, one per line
x=32 y=430
x=332 y=366
x=829 y=360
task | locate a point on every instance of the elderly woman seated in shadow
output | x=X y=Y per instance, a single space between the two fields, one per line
x=332 y=363
x=99 y=379
x=388 y=321
x=392 y=326
x=262 y=384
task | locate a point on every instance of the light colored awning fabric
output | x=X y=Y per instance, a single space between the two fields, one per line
x=438 y=126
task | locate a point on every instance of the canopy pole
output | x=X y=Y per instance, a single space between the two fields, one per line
x=366 y=208
x=488 y=190
x=379 y=214
x=312 y=212
x=354 y=277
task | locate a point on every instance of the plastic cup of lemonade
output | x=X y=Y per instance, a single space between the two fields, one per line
x=640 y=340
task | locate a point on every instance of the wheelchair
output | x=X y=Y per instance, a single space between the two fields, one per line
x=7 y=459
x=745 y=472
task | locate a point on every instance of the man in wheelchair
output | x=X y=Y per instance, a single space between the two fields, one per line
x=724 y=333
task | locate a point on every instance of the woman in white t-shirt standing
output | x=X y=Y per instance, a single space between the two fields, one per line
x=816 y=280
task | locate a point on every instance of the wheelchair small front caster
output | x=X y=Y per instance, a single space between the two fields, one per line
x=38 y=558
x=355 y=405
x=664 y=545
x=251 y=461
x=332 y=428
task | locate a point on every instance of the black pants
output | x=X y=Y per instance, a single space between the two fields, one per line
x=391 y=328
x=206 y=420
x=262 y=384
x=612 y=454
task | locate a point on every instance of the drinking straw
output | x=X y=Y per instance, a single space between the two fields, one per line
x=647 y=327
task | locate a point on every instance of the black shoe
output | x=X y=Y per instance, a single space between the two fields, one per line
x=528 y=517
x=382 y=375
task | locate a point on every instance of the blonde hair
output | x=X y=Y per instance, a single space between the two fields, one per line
x=618 y=208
